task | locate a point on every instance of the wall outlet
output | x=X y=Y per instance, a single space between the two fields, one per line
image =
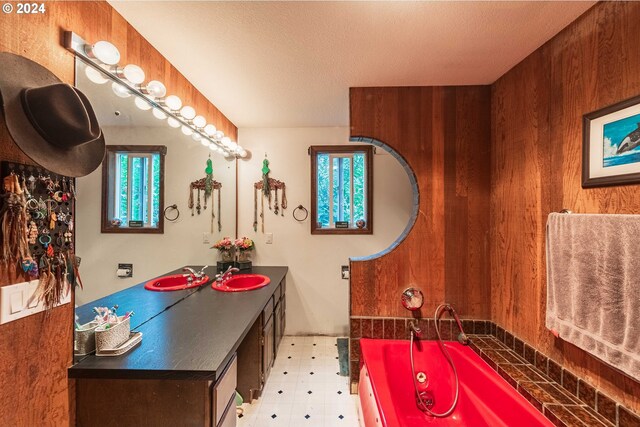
x=206 y=238
x=345 y=272
x=268 y=238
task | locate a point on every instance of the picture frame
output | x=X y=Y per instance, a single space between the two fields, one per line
x=611 y=145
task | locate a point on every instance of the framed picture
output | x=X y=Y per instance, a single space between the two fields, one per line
x=611 y=145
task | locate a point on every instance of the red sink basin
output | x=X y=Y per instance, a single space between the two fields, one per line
x=242 y=282
x=175 y=282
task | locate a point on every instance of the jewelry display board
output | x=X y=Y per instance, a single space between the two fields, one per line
x=37 y=211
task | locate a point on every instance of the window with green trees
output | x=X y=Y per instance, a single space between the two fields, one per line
x=133 y=180
x=341 y=189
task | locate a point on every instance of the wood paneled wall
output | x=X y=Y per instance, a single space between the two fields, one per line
x=36 y=351
x=537 y=109
x=443 y=133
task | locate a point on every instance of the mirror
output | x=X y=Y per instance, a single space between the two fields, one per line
x=189 y=232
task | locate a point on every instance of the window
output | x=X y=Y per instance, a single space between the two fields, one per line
x=341 y=189
x=133 y=189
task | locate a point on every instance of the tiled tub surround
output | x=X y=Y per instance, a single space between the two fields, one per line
x=564 y=398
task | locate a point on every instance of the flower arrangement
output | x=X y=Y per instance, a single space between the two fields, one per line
x=244 y=244
x=225 y=248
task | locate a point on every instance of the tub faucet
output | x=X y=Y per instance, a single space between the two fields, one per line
x=223 y=277
x=417 y=332
x=462 y=337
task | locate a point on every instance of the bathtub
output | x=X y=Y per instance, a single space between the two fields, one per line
x=387 y=395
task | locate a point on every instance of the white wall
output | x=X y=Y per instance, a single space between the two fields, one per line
x=152 y=254
x=317 y=297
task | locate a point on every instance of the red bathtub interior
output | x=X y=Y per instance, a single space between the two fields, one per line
x=485 y=400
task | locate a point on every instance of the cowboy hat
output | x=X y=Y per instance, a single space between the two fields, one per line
x=52 y=122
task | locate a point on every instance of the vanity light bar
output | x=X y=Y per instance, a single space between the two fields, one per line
x=104 y=57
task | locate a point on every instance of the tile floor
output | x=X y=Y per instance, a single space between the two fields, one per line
x=304 y=388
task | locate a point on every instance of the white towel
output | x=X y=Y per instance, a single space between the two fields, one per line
x=593 y=285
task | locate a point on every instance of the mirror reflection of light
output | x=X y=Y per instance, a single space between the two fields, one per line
x=120 y=90
x=196 y=137
x=159 y=114
x=205 y=142
x=95 y=76
x=218 y=135
x=142 y=104
x=173 y=122
x=187 y=130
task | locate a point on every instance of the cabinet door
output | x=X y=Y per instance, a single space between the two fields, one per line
x=277 y=318
x=267 y=348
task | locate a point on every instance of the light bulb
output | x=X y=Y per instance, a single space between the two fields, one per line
x=173 y=102
x=233 y=146
x=218 y=135
x=188 y=112
x=210 y=130
x=120 y=90
x=142 y=104
x=213 y=147
x=205 y=142
x=159 y=114
x=196 y=136
x=226 y=141
x=155 y=89
x=199 y=121
x=227 y=154
x=173 y=122
x=187 y=130
x=95 y=76
x=104 y=52
x=133 y=73
x=243 y=153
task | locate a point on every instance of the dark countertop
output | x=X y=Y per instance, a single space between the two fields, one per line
x=192 y=338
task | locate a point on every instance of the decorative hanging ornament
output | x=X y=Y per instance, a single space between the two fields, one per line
x=265 y=177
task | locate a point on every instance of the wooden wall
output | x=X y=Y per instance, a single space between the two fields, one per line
x=36 y=351
x=443 y=133
x=536 y=114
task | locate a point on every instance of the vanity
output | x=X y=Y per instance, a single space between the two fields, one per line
x=199 y=346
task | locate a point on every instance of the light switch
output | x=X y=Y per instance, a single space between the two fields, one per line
x=16 y=302
x=268 y=238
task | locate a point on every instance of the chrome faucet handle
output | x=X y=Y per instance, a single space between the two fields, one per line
x=201 y=272
x=412 y=299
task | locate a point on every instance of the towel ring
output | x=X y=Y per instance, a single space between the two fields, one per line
x=305 y=213
x=174 y=207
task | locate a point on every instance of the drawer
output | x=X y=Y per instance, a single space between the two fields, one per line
x=225 y=389
x=229 y=419
x=268 y=311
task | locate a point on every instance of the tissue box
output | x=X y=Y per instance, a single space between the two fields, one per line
x=113 y=337
x=85 y=339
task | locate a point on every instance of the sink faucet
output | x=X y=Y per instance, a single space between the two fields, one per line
x=223 y=277
x=194 y=274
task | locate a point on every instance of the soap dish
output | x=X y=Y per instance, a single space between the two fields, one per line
x=134 y=339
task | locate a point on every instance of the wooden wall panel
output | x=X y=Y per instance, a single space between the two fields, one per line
x=537 y=109
x=443 y=133
x=36 y=351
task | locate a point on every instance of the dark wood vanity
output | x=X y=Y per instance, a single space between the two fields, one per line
x=195 y=353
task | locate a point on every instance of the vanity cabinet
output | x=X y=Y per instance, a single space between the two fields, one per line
x=258 y=351
x=159 y=402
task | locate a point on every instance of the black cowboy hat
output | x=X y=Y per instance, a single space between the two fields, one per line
x=52 y=122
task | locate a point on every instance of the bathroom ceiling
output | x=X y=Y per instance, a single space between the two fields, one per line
x=290 y=64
